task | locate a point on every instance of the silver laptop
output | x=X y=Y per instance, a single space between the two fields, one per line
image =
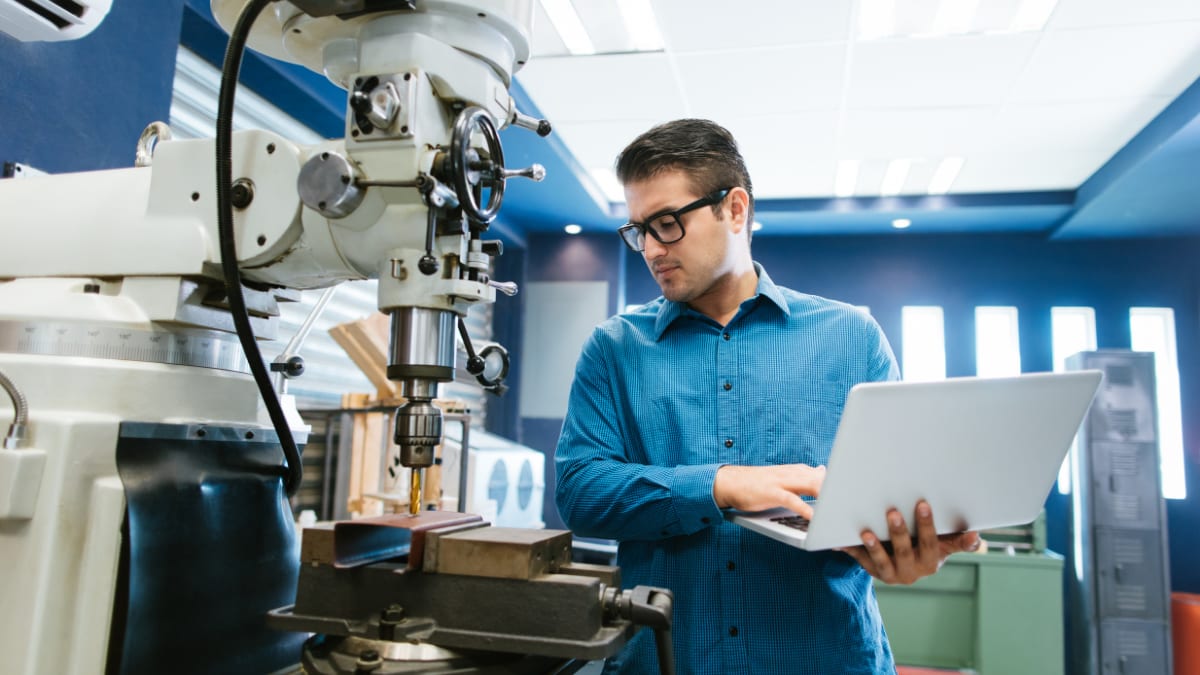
x=984 y=452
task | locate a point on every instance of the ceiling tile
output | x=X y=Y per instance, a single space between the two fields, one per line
x=937 y=72
x=1103 y=126
x=596 y=143
x=605 y=26
x=706 y=25
x=777 y=80
x=776 y=178
x=1147 y=60
x=609 y=87
x=913 y=133
x=1027 y=171
x=1089 y=13
x=774 y=142
x=546 y=40
x=928 y=17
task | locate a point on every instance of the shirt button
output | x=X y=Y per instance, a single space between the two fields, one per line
x=728 y=386
x=665 y=533
x=726 y=336
x=733 y=631
x=730 y=566
x=729 y=442
x=705 y=520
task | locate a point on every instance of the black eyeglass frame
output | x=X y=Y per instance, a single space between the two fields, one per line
x=630 y=232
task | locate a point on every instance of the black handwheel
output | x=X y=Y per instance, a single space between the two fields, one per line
x=468 y=181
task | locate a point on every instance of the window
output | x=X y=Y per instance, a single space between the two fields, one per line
x=1072 y=330
x=1152 y=329
x=923 y=336
x=997 y=342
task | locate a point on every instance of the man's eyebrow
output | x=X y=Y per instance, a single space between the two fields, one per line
x=661 y=212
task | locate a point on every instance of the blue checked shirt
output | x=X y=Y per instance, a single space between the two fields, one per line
x=663 y=396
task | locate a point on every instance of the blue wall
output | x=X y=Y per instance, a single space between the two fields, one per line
x=81 y=105
x=959 y=273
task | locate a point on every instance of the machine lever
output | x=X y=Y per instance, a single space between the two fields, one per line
x=647 y=606
x=488 y=168
x=541 y=127
x=506 y=287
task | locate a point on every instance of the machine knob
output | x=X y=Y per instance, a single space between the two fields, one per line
x=328 y=184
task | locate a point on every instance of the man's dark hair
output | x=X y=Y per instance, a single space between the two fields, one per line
x=704 y=150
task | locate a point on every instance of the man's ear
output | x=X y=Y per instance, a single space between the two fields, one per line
x=739 y=208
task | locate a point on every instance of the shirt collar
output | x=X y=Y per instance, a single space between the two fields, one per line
x=671 y=310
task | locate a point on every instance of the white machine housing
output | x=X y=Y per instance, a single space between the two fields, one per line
x=49 y=21
x=104 y=274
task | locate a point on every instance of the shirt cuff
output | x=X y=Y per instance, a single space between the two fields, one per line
x=693 y=493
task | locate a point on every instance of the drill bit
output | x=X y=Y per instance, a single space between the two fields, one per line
x=414 y=495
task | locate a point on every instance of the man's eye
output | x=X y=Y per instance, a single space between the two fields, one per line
x=663 y=223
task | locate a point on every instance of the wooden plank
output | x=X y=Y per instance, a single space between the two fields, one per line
x=366 y=342
x=357 y=432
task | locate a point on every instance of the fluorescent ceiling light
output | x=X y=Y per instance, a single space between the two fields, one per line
x=755 y=226
x=566 y=21
x=901 y=223
x=573 y=229
x=641 y=24
x=954 y=17
x=893 y=179
x=945 y=175
x=846 y=179
x=1033 y=14
x=876 y=19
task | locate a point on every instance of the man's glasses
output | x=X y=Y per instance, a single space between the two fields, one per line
x=667 y=227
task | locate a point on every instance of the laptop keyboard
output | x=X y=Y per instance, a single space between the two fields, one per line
x=795 y=522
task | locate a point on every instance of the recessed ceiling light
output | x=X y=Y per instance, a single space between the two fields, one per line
x=893 y=179
x=573 y=229
x=570 y=28
x=846 y=179
x=901 y=223
x=945 y=175
x=755 y=226
x=640 y=22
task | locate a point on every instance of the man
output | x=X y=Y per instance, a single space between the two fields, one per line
x=726 y=393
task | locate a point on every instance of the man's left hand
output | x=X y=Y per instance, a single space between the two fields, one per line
x=905 y=563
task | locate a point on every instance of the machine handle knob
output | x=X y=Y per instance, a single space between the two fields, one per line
x=541 y=127
x=505 y=287
x=535 y=173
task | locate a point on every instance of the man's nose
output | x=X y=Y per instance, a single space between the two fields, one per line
x=653 y=248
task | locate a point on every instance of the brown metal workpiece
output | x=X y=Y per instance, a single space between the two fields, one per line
x=501 y=552
x=350 y=543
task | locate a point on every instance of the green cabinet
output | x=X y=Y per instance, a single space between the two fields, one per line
x=993 y=613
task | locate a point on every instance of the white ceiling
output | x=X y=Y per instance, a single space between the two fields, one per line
x=802 y=88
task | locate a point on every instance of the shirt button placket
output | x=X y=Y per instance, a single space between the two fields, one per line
x=728 y=428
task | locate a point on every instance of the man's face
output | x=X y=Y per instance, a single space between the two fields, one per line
x=686 y=269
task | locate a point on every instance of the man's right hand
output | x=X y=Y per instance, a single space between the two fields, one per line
x=758 y=488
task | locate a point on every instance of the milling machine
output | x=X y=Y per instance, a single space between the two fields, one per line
x=144 y=520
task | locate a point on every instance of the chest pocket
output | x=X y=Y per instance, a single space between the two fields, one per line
x=801 y=424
